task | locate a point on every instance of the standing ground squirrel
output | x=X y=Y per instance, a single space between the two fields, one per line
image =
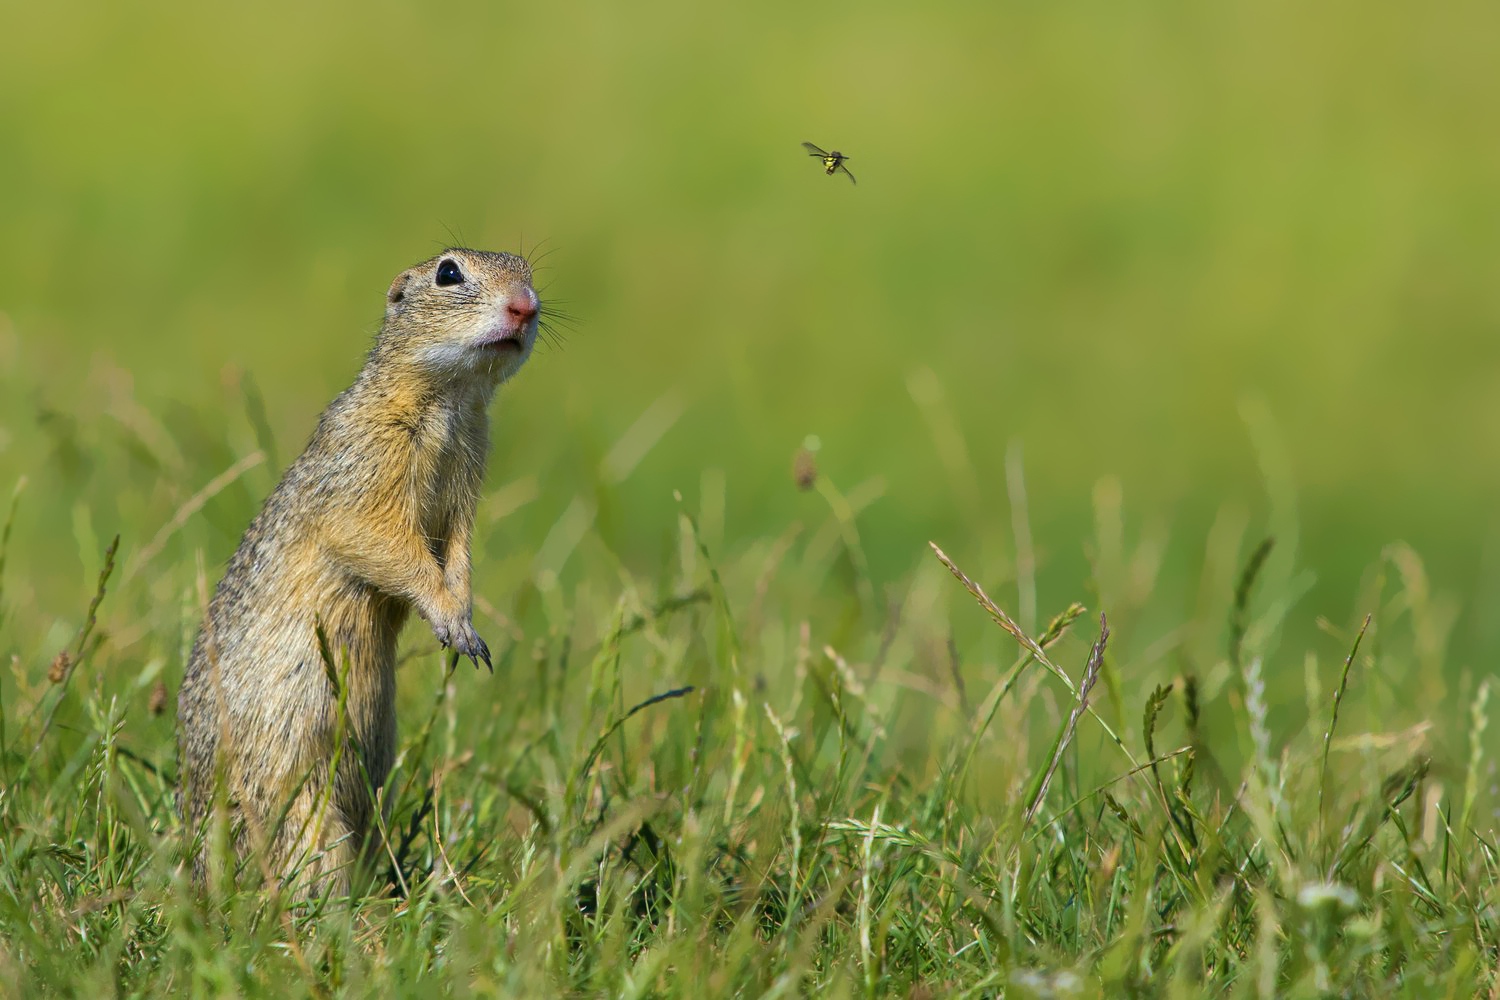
x=373 y=520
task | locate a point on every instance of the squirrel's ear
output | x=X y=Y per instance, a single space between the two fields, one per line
x=397 y=293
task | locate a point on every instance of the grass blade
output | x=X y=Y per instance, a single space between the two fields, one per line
x=1065 y=736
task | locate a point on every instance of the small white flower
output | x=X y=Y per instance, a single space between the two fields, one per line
x=1315 y=895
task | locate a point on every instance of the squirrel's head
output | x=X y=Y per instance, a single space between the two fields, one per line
x=463 y=313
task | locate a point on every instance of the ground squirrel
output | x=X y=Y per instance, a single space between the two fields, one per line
x=371 y=521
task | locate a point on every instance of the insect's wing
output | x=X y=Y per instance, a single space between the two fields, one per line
x=813 y=150
x=847 y=174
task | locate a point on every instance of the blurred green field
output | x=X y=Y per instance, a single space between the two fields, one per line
x=1195 y=274
x=1102 y=230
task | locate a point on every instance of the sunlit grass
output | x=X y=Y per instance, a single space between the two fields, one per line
x=735 y=775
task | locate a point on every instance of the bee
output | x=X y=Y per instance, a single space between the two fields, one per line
x=832 y=162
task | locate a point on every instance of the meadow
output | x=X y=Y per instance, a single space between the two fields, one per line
x=1175 y=324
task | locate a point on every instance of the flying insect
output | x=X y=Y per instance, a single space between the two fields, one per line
x=832 y=162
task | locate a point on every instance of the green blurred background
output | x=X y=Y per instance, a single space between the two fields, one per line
x=1238 y=260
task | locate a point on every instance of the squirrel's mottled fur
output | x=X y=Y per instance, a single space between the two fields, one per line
x=372 y=521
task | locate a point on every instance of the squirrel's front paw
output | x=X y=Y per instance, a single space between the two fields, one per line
x=465 y=641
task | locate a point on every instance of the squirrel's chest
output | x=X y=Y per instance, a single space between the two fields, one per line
x=449 y=454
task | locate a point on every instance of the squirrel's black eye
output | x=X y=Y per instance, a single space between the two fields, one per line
x=448 y=273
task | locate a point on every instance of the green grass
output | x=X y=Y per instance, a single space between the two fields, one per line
x=737 y=776
x=1121 y=293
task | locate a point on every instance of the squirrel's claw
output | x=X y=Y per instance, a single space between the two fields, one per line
x=464 y=641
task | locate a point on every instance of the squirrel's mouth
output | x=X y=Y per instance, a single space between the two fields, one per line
x=512 y=340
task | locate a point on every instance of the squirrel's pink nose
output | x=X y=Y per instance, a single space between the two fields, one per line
x=521 y=306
